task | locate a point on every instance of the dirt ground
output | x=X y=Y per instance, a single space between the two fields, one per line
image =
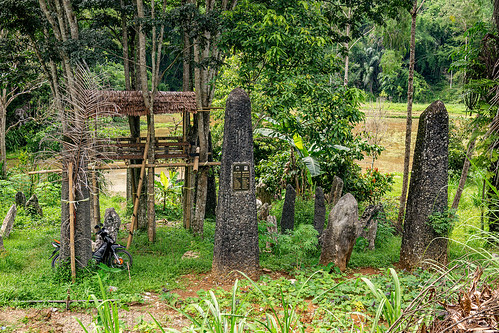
x=58 y=320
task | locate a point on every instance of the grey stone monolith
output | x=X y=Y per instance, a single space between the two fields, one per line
x=288 y=210
x=319 y=210
x=369 y=223
x=8 y=222
x=33 y=207
x=339 y=237
x=336 y=191
x=112 y=223
x=263 y=211
x=427 y=190
x=236 y=232
x=20 y=199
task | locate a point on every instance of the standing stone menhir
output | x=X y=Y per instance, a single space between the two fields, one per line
x=236 y=233
x=319 y=210
x=336 y=191
x=8 y=222
x=20 y=199
x=288 y=210
x=33 y=207
x=427 y=190
x=342 y=229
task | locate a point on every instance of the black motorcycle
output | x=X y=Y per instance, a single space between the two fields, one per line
x=109 y=253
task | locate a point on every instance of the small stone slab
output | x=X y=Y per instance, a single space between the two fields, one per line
x=8 y=222
x=272 y=231
x=341 y=232
x=319 y=210
x=288 y=210
x=33 y=207
x=190 y=255
x=20 y=199
x=336 y=191
x=1 y=244
x=263 y=211
x=369 y=223
x=112 y=223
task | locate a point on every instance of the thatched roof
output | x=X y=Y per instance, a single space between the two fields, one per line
x=131 y=103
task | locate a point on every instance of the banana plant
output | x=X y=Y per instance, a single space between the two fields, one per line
x=168 y=185
x=276 y=130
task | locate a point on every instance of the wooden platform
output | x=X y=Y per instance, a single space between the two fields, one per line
x=171 y=147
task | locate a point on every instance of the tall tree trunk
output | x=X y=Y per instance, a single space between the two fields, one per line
x=496 y=14
x=211 y=195
x=60 y=15
x=347 y=32
x=187 y=197
x=203 y=76
x=3 y=121
x=408 y=128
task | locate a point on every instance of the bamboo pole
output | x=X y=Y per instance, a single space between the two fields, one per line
x=95 y=199
x=71 y=223
x=137 y=196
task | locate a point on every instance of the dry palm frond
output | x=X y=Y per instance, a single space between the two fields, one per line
x=476 y=310
x=84 y=107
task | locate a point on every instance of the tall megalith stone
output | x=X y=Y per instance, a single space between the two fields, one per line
x=319 y=210
x=288 y=210
x=236 y=233
x=427 y=190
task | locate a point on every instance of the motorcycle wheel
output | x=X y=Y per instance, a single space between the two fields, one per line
x=124 y=260
x=55 y=260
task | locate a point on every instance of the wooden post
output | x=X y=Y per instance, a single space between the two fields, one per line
x=71 y=223
x=188 y=177
x=95 y=199
x=137 y=196
x=151 y=213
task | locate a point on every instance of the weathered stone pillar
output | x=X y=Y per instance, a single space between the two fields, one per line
x=427 y=190
x=336 y=191
x=288 y=210
x=112 y=223
x=33 y=207
x=342 y=229
x=319 y=210
x=236 y=233
x=20 y=199
x=8 y=222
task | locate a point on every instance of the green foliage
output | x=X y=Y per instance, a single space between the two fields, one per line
x=372 y=186
x=107 y=318
x=214 y=319
x=443 y=222
x=170 y=191
x=386 y=254
x=298 y=243
x=391 y=306
x=270 y=173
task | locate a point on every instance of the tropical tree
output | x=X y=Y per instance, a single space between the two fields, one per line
x=19 y=77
